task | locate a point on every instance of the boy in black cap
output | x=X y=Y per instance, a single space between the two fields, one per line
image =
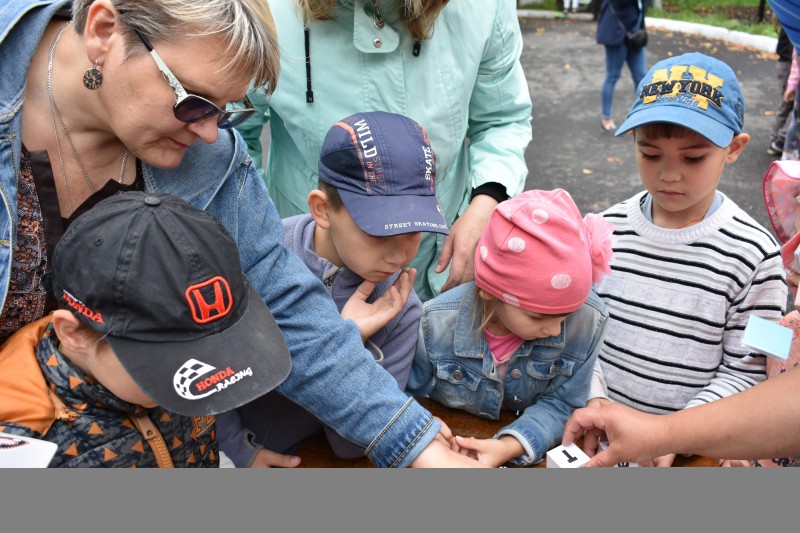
x=376 y=197
x=159 y=331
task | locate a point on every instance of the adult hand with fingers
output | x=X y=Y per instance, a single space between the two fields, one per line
x=632 y=436
x=459 y=247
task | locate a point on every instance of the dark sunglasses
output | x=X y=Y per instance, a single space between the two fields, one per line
x=191 y=108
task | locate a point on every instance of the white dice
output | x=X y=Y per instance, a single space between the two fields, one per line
x=566 y=457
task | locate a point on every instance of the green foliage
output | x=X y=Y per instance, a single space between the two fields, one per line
x=737 y=15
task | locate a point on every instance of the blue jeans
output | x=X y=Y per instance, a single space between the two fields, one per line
x=616 y=55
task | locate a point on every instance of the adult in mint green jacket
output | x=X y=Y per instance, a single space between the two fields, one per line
x=463 y=83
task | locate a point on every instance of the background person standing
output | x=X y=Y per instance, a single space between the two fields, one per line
x=618 y=17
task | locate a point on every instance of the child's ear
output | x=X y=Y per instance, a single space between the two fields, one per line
x=67 y=328
x=319 y=208
x=736 y=146
x=485 y=296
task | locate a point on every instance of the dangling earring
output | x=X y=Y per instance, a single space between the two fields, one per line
x=92 y=78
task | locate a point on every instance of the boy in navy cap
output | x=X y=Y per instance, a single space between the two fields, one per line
x=158 y=331
x=376 y=196
x=690 y=266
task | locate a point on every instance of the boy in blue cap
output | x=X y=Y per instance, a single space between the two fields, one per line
x=690 y=266
x=375 y=198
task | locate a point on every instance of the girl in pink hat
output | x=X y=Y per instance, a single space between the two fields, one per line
x=524 y=335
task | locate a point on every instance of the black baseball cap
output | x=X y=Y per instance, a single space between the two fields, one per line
x=162 y=281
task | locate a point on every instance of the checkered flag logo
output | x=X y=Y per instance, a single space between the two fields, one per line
x=187 y=374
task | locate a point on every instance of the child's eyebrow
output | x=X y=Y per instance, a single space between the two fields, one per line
x=543 y=315
x=696 y=146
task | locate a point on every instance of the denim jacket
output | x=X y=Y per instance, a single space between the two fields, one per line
x=545 y=380
x=333 y=375
x=630 y=12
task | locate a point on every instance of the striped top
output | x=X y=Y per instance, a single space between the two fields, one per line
x=678 y=302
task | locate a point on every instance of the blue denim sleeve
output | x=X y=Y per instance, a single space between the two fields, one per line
x=420 y=380
x=333 y=375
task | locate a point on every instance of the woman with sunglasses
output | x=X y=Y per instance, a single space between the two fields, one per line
x=98 y=97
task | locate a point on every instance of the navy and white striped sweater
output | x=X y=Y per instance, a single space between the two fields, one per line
x=678 y=302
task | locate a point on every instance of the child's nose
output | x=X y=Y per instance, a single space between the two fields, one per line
x=668 y=173
x=552 y=328
x=403 y=248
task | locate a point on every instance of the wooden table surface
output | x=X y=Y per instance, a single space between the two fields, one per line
x=316 y=453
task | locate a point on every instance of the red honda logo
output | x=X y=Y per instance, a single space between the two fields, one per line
x=204 y=312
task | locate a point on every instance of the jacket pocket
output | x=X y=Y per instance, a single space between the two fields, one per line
x=456 y=385
x=546 y=376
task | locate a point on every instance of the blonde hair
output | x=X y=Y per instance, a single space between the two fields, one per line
x=483 y=310
x=245 y=25
x=418 y=16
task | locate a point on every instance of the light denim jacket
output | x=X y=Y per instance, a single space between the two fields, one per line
x=333 y=375
x=546 y=379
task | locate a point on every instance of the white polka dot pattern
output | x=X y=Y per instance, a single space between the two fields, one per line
x=516 y=244
x=539 y=216
x=511 y=299
x=561 y=281
x=484 y=252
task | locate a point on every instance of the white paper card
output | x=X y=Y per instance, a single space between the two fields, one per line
x=767 y=337
x=25 y=452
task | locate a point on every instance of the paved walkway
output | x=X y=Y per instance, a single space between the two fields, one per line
x=565 y=69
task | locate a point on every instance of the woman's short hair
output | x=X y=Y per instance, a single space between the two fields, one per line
x=245 y=25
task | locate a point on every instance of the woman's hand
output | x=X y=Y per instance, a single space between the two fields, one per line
x=459 y=246
x=632 y=436
x=438 y=455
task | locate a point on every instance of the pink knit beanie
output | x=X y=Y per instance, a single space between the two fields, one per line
x=537 y=252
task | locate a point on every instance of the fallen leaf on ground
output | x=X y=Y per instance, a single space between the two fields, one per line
x=587 y=171
x=613 y=159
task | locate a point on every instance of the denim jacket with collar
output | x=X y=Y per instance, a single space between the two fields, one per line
x=545 y=380
x=333 y=375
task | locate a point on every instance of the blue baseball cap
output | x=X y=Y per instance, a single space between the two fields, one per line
x=788 y=14
x=693 y=90
x=384 y=169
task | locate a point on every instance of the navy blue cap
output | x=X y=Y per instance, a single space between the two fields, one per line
x=692 y=90
x=384 y=169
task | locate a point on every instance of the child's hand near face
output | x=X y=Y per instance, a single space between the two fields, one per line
x=370 y=317
x=490 y=452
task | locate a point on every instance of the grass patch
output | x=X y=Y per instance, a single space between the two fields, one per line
x=736 y=15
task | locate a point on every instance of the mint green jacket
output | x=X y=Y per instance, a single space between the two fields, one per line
x=466 y=86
